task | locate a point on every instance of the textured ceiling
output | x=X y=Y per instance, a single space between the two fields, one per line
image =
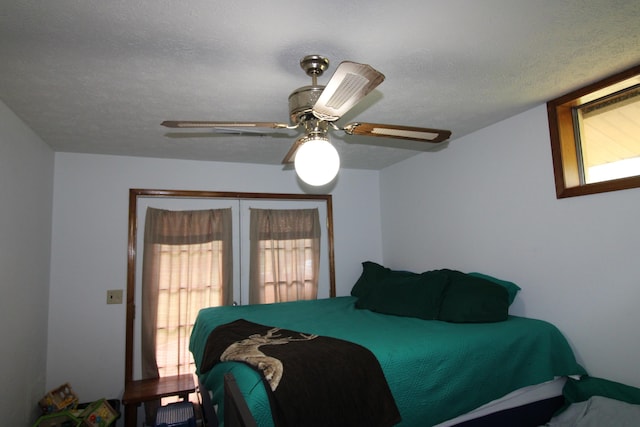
x=99 y=76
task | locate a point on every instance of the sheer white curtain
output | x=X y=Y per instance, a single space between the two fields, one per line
x=187 y=263
x=284 y=255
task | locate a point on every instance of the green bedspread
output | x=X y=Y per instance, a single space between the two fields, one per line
x=436 y=370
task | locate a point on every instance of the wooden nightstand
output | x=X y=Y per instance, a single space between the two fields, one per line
x=140 y=391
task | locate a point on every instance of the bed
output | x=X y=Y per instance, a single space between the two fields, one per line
x=436 y=370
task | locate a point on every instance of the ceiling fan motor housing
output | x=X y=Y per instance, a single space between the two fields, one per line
x=301 y=102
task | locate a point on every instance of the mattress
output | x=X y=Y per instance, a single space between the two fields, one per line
x=436 y=370
x=515 y=399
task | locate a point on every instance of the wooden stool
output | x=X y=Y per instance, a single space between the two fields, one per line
x=140 y=391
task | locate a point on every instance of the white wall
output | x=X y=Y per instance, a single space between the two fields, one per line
x=487 y=203
x=26 y=191
x=89 y=244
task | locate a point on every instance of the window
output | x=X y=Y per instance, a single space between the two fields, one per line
x=595 y=136
x=285 y=255
x=276 y=281
x=188 y=266
x=179 y=301
x=187 y=258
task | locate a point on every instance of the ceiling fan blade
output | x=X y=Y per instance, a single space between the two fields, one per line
x=291 y=154
x=203 y=124
x=396 y=131
x=349 y=84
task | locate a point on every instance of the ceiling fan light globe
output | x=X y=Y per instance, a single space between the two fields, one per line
x=317 y=161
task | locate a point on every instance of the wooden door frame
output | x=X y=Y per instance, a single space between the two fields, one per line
x=136 y=193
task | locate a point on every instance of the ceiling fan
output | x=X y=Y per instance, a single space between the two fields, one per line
x=316 y=109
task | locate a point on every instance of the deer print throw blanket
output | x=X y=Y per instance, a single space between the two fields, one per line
x=311 y=380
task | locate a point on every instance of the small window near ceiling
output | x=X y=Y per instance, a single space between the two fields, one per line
x=595 y=136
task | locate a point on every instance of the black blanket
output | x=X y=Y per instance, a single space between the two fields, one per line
x=311 y=380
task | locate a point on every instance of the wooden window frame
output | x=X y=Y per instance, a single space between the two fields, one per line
x=566 y=167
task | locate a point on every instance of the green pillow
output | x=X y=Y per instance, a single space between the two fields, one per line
x=470 y=299
x=416 y=295
x=372 y=274
x=511 y=287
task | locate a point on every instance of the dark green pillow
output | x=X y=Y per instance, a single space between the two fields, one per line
x=470 y=299
x=416 y=295
x=512 y=288
x=372 y=274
